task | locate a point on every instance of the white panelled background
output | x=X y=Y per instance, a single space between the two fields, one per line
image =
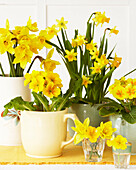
x=76 y=12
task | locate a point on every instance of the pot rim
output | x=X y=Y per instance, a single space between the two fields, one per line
x=85 y=104
x=7 y=77
x=41 y=112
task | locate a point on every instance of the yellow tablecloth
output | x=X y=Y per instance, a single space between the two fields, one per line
x=71 y=155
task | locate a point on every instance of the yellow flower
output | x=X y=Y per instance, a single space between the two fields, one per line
x=43 y=37
x=91 y=46
x=102 y=60
x=132 y=81
x=23 y=35
x=92 y=134
x=5 y=31
x=119 y=92
x=71 y=55
x=85 y=81
x=51 y=90
x=106 y=130
x=52 y=31
x=62 y=23
x=17 y=30
x=49 y=65
x=74 y=43
x=80 y=40
x=130 y=91
x=116 y=62
x=113 y=30
x=94 y=53
x=32 y=27
x=37 y=84
x=6 y=44
x=100 y=18
x=54 y=78
x=28 y=78
x=96 y=68
x=34 y=45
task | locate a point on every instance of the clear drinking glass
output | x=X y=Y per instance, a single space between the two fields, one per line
x=122 y=157
x=93 y=151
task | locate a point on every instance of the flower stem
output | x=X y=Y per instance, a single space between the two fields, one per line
x=129 y=72
x=12 y=69
x=2 y=70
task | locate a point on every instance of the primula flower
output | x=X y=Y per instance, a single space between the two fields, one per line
x=130 y=91
x=54 y=78
x=106 y=130
x=114 y=31
x=49 y=65
x=32 y=27
x=71 y=55
x=118 y=143
x=85 y=81
x=61 y=23
x=119 y=92
x=92 y=134
x=51 y=90
x=100 y=18
x=96 y=68
x=91 y=46
x=37 y=84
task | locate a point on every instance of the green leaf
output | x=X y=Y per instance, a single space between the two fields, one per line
x=5 y=112
x=104 y=112
x=37 y=102
x=106 y=47
x=68 y=45
x=88 y=32
x=63 y=38
x=19 y=104
x=111 y=52
x=131 y=116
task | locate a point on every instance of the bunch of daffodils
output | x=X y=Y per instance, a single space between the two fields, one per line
x=84 y=131
x=21 y=44
x=124 y=90
x=86 y=60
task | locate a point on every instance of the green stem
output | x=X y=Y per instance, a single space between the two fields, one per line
x=2 y=70
x=61 y=45
x=90 y=17
x=54 y=45
x=12 y=69
x=129 y=72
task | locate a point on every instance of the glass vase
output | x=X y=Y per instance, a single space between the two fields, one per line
x=122 y=157
x=93 y=151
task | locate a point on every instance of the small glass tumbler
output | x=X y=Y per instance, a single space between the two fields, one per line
x=93 y=151
x=122 y=157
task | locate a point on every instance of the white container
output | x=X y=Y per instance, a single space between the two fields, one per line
x=44 y=133
x=11 y=87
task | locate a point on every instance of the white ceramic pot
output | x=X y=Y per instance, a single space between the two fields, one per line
x=44 y=133
x=11 y=87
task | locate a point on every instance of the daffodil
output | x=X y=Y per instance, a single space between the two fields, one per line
x=34 y=45
x=106 y=130
x=6 y=44
x=43 y=37
x=116 y=62
x=114 y=31
x=37 y=84
x=100 y=18
x=91 y=46
x=96 y=69
x=49 y=65
x=51 y=90
x=62 y=23
x=86 y=81
x=74 y=43
x=32 y=27
x=28 y=78
x=52 y=31
x=102 y=60
x=80 y=40
x=92 y=134
x=5 y=31
x=24 y=34
x=71 y=55
x=94 y=53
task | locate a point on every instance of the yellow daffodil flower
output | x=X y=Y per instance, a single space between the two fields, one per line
x=92 y=134
x=94 y=53
x=85 y=81
x=61 y=23
x=51 y=90
x=114 y=31
x=118 y=143
x=37 y=84
x=71 y=55
x=96 y=69
x=28 y=78
x=52 y=31
x=106 y=130
x=49 y=65
x=17 y=30
x=34 y=45
x=80 y=40
x=116 y=62
x=102 y=60
x=6 y=44
x=5 y=31
x=32 y=27
x=43 y=36
x=100 y=18
x=54 y=78
x=74 y=43
x=91 y=46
